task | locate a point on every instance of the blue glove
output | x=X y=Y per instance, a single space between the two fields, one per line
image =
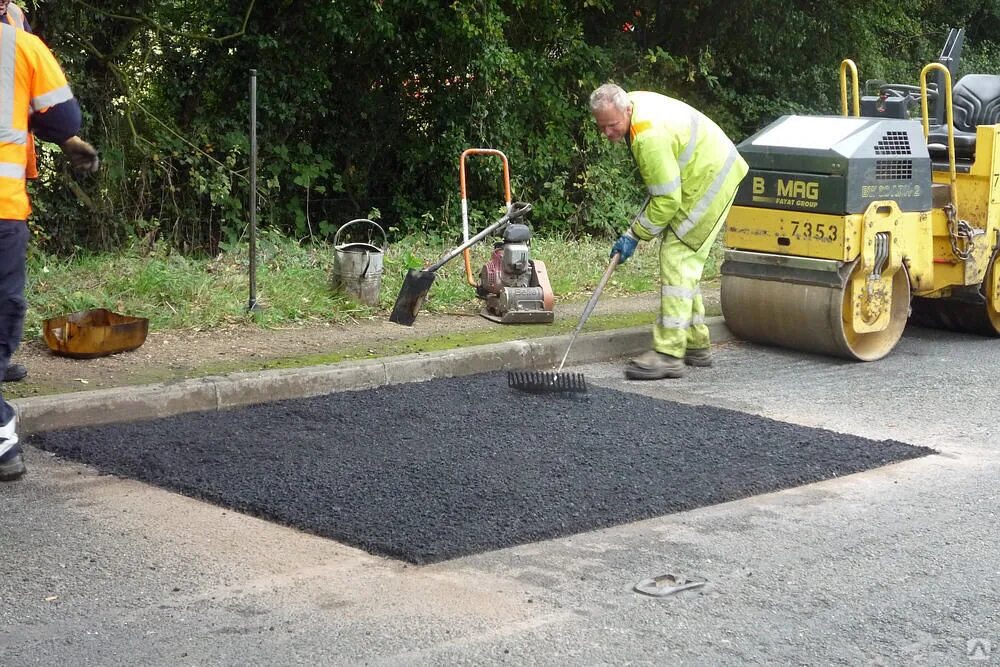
x=624 y=246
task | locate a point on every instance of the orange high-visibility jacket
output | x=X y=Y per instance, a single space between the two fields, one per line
x=30 y=80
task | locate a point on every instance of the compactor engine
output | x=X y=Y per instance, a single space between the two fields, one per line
x=515 y=287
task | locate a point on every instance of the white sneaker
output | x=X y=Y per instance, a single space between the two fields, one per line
x=11 y=461
x=8 y=435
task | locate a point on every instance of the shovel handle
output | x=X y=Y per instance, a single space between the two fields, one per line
x=517 y=209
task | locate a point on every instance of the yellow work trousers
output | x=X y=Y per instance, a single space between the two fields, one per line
x=681 y=325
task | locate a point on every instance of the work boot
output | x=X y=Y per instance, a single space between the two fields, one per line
x=11 y=462
x=701 y=356
x=15 y=372
x=654 y=365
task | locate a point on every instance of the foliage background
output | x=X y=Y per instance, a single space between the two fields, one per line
x=365 y=105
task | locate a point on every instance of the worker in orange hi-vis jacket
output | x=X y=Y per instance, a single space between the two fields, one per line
x=34 y=98
x=14 y=15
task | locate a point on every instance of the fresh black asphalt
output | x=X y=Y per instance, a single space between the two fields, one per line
x=435 y=470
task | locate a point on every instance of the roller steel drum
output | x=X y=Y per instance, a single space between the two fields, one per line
x=796 y=312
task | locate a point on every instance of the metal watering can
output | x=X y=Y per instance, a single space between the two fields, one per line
x=357 y=267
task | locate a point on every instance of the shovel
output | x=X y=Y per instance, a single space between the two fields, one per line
x=417 y=282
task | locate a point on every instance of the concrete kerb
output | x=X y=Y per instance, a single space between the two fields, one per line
x=102 y=406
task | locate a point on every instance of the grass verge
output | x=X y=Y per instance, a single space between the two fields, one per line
x=292 y=282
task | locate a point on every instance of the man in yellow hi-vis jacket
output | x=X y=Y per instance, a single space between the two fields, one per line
x=691 y=170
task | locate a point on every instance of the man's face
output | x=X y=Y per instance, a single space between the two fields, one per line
x=3 y=7
x=611 y=122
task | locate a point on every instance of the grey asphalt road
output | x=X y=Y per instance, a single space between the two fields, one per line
x=891 y=566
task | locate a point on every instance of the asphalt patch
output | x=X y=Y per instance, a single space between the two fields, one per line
x=435 y=470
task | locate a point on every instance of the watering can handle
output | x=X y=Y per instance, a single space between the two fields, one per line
x=385 y=242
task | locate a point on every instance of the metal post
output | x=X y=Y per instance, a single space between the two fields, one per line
x=252 y=305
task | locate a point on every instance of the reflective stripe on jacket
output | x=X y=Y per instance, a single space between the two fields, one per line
x=689 y=165
x=15 y=16
x=30 y=80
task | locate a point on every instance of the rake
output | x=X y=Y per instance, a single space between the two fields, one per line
x=547 y=382
x=557 y=382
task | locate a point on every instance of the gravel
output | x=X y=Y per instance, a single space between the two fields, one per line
x=432 y=471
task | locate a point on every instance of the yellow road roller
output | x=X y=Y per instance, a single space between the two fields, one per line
x=848 y=226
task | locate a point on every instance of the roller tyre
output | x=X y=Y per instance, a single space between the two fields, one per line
x=965 y=316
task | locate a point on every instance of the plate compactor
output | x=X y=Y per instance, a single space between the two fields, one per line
x=515 y=287
x=844 y=222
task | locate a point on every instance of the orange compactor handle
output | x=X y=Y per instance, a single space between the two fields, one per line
x=465 y=199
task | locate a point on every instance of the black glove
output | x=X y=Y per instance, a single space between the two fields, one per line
x=82 y=156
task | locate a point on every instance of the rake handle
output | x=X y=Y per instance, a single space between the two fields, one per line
x=591 y=305
x=600 y=288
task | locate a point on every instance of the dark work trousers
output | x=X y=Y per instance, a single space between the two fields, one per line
x=14 y=237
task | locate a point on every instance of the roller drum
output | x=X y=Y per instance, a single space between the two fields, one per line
x=789 y=306
x=800 y=317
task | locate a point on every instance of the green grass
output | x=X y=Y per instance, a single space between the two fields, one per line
x=178 y=292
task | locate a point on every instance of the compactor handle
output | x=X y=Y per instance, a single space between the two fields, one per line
x=465 y=199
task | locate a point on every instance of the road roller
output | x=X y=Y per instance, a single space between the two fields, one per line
x=847 y=227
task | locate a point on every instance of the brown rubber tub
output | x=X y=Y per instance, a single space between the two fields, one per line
x=94 y=333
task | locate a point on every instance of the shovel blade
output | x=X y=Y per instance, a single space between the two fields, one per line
x=411 y=297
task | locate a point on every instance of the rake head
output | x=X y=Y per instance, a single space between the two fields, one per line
x=547 y=382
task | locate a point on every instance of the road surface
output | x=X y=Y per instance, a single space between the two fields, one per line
x=891 y=566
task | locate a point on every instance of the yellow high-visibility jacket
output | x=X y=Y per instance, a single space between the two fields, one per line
x=688 y=164
x=30 y=80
